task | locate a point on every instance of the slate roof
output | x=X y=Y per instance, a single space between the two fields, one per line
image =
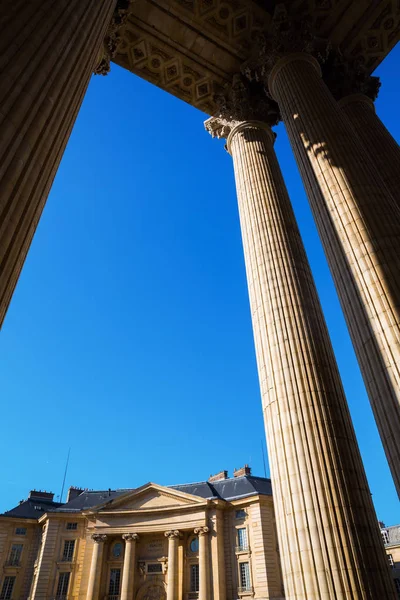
x=225 y=489
x=33 y=508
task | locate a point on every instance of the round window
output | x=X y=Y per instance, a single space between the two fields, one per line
x=117 y=550
x=194 y=545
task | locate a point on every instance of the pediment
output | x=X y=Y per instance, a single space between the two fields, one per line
x=150 y=497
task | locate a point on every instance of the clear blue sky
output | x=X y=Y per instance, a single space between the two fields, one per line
x=129 y=335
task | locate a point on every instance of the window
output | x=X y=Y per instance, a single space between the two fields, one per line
x=7 y=588
x=154 y=567
x=391 y=561
x=117 y=550
x=241 y=514
x=244 y=576
x=242 y=539
x=397 y=586
x=15 y=555
x=194 y=544
x=69 y=547
x=62 y=586
x=385 y=536
x=20 y=531
x=115 y=578
x=194 y=578
x=72 y=526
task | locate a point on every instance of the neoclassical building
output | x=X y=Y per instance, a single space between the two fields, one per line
x=213 y=540
x=249 y=64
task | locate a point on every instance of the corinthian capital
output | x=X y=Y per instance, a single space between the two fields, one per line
x=173 y=533
x=130 y=537
x=201 y=530
x=345 y=77
x=113 y=37
x=99 y=538
x=289 y=33
x=240 y=101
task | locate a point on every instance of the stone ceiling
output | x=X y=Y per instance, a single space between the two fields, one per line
x=191 y=48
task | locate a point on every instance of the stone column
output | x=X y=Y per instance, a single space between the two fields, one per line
x=173 y=542
x=329 y=541
x=203 y=561
x=128 y=572
x=49 y=49
x=381 y=147
x=359 y=225
x=95 y=567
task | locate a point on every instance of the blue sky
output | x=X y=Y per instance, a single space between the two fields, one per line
x=129 y=337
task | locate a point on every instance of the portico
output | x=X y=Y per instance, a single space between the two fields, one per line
x=247 y=66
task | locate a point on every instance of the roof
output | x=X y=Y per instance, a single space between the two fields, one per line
x=228 y=489
x=33 y=508
x=225 y=489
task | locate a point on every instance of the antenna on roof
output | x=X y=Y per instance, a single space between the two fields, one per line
x=263 y=455
x=65 y=474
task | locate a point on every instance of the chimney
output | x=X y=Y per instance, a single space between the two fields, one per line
x=39 y=495
x=74 y=492
x=218 y=476
x=242 y=472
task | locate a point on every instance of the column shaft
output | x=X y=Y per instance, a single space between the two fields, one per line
x=95 y=567
x=381 y=147
x=203 y=562
x=172 y=587
x=329 y=540
x=359 y=225
x=48 y=49
x=129 y=566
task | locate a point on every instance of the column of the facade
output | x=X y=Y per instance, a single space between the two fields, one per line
x=172 y=583
x=49 y=49
x=359 y=225
x=128 y=573
x=329 y=541
x=202 y=532
x=95 y=567
x=379 y=144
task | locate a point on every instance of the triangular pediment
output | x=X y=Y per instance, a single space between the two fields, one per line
x=150 y=497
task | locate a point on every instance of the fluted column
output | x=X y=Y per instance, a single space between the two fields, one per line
x=203 y=561
x=380 y=145
x=329 y=541
x=173 y=542
x=95 y=567
x=128 y=572
x=48 y=51
x=359 y=225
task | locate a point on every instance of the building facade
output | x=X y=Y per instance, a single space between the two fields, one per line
x=213 y=540
x=391 y=540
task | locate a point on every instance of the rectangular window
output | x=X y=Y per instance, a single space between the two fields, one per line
x=391 y=561
x=154 y=567
x=242 y=539
x=244 y=576
x=241 y=514
x=6 y=590
x=194 y=578
x=115 y=578
x=385 y=536
x=20 y=531
x=72 y=526
x=62 y=586
x=69 y=547
x=15 y=555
